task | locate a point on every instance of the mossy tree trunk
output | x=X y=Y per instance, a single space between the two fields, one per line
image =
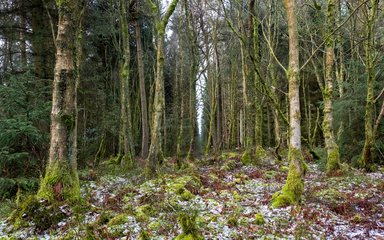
x=125 y=134
x=294 y=186
x=155 y=149
x=143 y=95
x=61 y=181
x=191 y=32
x=333 y=156
x=254 y=31
x=340 y=65
x=366 y=156
x=212 y=90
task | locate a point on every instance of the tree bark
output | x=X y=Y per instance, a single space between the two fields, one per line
x=143 y=96
x=366 y=156
x=155 y=150
x=294 y=186
x=333 y=156
x=125 y=139
x=61 y=181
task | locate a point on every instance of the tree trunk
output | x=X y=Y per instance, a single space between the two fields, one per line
x=61 y=181
x=143 y=96
x=192 y=79
x=294 y=186
x=125 y=138
x=366 y=156
x=333 y=156
x=154 y=150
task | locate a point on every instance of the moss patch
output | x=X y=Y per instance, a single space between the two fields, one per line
x=260 y=152
x=246 y=158
x=60 y=184
x=118 y=220
x=294 y=186
x=39 y=212
x=259 y=219
x=333 y=160
x=189 y=229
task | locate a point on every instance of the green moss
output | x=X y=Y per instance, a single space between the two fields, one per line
x=144 y=212
x=32 y=210
x=154 y=226
x=246 y=158
x=284 y=169
x=357 y=218
x=144 y=235
x=260 y=152
x=294 y=186
x=229 y=155
x=232 y=221
x=236 y=196
x=259 y=219
x=186 y=195
x=333 y=160
x=330 y=195
x=270 y=174
x=118 y=220
x=229 y=165
x=104 y=218
x=60 y=183
x=189 y=229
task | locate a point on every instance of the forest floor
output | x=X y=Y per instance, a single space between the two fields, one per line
x=226 y=200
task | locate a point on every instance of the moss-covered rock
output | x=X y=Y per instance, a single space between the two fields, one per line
x=182 y=186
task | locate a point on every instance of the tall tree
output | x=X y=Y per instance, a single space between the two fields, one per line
x=366 y=156
x=143 y=95
x=61 y=180
x=294 y=186
x=161 y=24
x=126 y=139
x=333 y=156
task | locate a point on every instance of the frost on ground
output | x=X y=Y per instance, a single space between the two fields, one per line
x=229 y=200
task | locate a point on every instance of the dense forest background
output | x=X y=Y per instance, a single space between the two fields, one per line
x=173 y=81
x=225 y=84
